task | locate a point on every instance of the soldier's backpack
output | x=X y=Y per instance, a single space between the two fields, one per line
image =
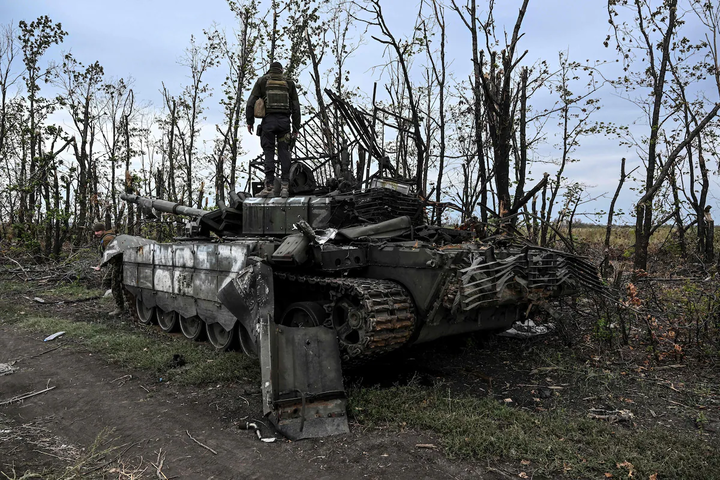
x=259 y=109
x=277 y=95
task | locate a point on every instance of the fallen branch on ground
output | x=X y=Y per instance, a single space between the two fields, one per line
x=201 y=444
x=38 y=354
x=24 y=396
x=158 y=468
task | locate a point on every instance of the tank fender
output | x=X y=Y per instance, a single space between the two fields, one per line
x=250 y=297
x=122 y=243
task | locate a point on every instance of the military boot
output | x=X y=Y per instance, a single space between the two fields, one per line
x=285 y=190
x=118 y=312
x=266 y=192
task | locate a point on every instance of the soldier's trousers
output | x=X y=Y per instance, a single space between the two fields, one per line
x=116 y=281
x=276 y=126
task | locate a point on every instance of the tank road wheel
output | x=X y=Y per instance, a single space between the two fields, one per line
x=168 y=321
x=220 y=338
x=145 y=314
x=246 y=343
x=303 y=314
x=348 y=320
x=192 y=327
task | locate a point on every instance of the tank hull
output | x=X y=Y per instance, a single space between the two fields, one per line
x=448 y=291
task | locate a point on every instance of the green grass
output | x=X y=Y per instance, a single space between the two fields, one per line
x=10 y=287
x=64 y=291
x=72 y=291
x=554 y=443
x=142 y=348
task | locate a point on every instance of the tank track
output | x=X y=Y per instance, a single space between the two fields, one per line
x=383 y=320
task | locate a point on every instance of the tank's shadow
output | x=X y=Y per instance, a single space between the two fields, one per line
x=422 y=365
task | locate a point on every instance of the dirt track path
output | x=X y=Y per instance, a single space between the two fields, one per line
x=92 y=395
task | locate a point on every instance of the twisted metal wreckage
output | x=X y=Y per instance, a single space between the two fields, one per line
x=343 y=271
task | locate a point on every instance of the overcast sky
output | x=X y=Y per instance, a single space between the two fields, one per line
x=145 y=39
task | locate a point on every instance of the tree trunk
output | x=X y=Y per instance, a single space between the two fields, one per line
x=611 y=213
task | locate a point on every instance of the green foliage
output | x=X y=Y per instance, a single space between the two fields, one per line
x=36 y=37
x=603 y=330
x=26 y=241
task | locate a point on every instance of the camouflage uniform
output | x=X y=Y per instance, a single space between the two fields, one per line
x=113 y=275
x=116 y=274
x=276 y=125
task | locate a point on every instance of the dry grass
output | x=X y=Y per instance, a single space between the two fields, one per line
x=101 y=459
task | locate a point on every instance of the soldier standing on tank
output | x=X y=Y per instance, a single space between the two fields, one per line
x=115 y=268
x=282 y=107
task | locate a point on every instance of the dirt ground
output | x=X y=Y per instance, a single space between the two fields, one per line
x=91 y=396
x=150 y=423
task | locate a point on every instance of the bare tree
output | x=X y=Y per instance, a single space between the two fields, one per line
x=341 y=44
x=653 y=33
x=466 y=190
x=494 y=73
x=610 y=216
x=439 y=73
x=708 y=14
x=117 y=113
x=10 y=118
x=81 y=86
x=198 y=58
x=468 y=14
x=402 y=50
x=275 y=32
x=332 y=143
x=239 y=57
x=574 y=112
x=170 y=127
x=9 y=51
x=35 y=39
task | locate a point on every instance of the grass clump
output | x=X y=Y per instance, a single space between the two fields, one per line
x=549 y=444
x=141 y=348
x=73 y=291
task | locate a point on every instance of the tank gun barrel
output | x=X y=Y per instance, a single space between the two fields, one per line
x=149 y=204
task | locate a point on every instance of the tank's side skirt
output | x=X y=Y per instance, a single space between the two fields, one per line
x=186 y=277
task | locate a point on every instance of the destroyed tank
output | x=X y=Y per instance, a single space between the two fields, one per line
x=332 y=276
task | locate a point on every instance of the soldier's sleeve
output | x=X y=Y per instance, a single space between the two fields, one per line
x=106 y=241
x=250 y=107
x=295 y=107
